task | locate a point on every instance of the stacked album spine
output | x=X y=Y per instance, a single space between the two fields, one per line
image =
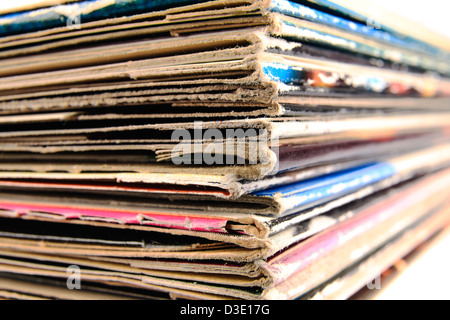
x=250 y=149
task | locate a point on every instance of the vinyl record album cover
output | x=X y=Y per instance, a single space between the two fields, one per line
x=236 y=149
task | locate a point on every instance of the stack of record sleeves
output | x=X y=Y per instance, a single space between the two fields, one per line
x=227 y=149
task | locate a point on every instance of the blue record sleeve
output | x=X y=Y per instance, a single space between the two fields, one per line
x=306 y=194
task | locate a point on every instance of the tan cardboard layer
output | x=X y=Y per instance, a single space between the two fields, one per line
x=11 y=295
x=100 y=268
x=124 y=88
x=241 y=247
x=243 y=81
x=163 y=152
x=261 y=123
x=141 y=282
x=280 y=233
x=232 y=254
x=359 y=126
x=233 y=190
x=145 y=29
x=249 y=247
x=85 y=116
x=210 y=206
x=77 y=245
x=260 y=9
x=195 y=71
x=283 y=233
x=241 y=269
x=166 y=146
x=23 y=290
x=166 y=66
x=57 y=289
x=198 y=43
x=217 y=17
x=123 y=52
x=220 y=181
x=334 y=149
x=245 y=96
x=249 y=218
x=223 y=6
x=36 y=288
x=207 y=176
x=408 y=166
x=398 y=225
x=290 y=106
x=258 y=226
